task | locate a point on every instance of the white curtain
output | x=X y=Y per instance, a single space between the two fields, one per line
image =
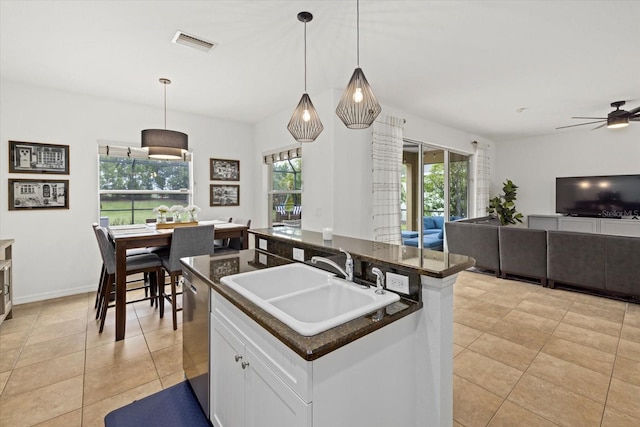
x=386 y=154
x=483 y=175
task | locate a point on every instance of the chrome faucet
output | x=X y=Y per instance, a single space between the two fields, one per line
x=347 y=272
x=379 y=280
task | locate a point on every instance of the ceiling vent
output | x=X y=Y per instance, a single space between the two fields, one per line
x=193 y=41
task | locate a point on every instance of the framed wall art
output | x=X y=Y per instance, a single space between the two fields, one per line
x=26 y=194
x=33 y=157
x=224 y=195
x=224 y=170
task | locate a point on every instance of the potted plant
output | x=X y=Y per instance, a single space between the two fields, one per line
x=504 y=206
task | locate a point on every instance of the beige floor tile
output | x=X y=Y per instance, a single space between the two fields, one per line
x=168 y=360
x=108 y=335
x=44 y=373
x=592 y=323
x=624 y=397
x=4 y=377
x=8 y=359
x=519 y=334
x=47 y=350
x=457 y=424
x=541 y=310
x=541 y=324
x=467 y=292
x=172 y=379
x=630 y=333
x=456 y=350
x=579 y=354
x=487 y=308
x=627 y=370
x=611 y=314
x=587 y=337
x=550 y=298
x=42 y=404
x=32 y=308
x=162 y=338
x=632 y=316
x=483 y=285
x=13 y=340
x=93 y=414
x=505 y=299
x=510 y=415
x=54 y=317
x=486 y=372
x=504 y=351
x=57 y=330
x=115 y=352
x=473 y=405
x=474 y=320
x=459 y=301
x=556 y=403
x=629 y=349
x=143 y=309
x=601 y=302
x=464 y=335
x=70 y=419
x=17 y=324
x=615 y=418
x=115 y=379
x=576 y=378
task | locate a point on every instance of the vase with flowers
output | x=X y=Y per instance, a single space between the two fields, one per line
x=192 y=210
x=178 y=213
x=161 y=214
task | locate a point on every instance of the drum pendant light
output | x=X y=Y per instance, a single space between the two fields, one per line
x=358 y=107
x=162 y=143
x=305 y=124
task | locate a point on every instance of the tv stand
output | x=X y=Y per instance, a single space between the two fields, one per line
x=612 y=226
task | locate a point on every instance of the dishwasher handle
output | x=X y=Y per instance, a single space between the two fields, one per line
x=190 y=287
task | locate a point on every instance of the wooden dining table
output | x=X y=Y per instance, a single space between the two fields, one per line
x=146 y=235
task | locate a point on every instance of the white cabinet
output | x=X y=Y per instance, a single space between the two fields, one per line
x=542 y=222
x=611 y=226
x=620 y=227
x=583 y=225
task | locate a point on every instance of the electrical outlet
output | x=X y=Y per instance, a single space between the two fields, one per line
x=398 y=283
x=298 y=254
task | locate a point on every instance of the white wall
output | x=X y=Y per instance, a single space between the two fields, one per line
x=534 y=163
x=55 y=252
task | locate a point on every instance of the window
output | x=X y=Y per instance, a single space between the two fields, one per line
x=131 y=184
x=285 y=188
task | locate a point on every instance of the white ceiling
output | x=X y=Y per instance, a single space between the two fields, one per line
x=465 y=64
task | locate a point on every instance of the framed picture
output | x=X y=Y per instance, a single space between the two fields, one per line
x=25 y=194
x=224 y=195
x=32 y=157
x=224 y=170
x=223 y=267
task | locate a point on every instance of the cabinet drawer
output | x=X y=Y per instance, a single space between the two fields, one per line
x=293 y=370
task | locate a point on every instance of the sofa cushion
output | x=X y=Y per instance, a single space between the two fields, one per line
x=478 y=241
x=428 y=242
x=576 y=258
x=622 y=265
x=407 y=234
x=428 y=223
x=441 y=234
x=439 y=222
x=523 y=251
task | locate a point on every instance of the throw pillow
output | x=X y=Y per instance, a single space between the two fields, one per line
x=428 y=223
x=438 y=221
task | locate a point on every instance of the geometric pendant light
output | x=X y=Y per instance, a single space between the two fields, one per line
x=305 y=124
x=162 y=143
x=358 y=107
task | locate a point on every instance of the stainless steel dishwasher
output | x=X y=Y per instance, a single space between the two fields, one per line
x=195 y=336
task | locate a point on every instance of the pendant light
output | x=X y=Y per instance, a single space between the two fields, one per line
x=358 y=107
x=305 y=124
x=162 y=143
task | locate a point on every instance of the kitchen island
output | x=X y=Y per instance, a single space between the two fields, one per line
x=391 y=367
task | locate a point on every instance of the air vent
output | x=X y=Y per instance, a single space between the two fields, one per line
x=193 y=41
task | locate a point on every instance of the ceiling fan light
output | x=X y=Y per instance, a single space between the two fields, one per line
x=305 y=124
x=358 y=107
x=617 y=122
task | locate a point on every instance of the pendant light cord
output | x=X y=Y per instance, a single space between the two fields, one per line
x=165 y=106
x=358 y=32
x=305 y=57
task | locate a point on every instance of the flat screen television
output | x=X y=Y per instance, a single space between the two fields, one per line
x=614 y=196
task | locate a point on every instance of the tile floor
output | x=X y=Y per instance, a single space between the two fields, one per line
x=523 y=355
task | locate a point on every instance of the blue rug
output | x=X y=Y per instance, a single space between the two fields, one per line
x=176 y=406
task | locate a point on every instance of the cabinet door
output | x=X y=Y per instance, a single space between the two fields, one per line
x=270 y=402
x=227 y=377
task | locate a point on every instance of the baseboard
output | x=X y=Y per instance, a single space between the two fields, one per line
x=54 y=294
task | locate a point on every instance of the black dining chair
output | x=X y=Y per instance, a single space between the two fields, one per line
x=234 y=243
x=141 y=263
x=185 y=242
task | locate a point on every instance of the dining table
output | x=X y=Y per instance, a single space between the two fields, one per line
x=134 y=236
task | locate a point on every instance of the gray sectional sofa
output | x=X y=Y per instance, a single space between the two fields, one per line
x=606 y=264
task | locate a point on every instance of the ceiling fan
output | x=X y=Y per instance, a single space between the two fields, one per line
x=615 y=119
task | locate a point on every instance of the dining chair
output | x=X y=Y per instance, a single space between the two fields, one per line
x=185 y=242
x=236 y=242
x=141 y=263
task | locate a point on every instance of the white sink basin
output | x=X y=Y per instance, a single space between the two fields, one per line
x=307 y=299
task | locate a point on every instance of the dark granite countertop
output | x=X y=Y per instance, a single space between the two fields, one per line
x=422 y=261
x=212 y=268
